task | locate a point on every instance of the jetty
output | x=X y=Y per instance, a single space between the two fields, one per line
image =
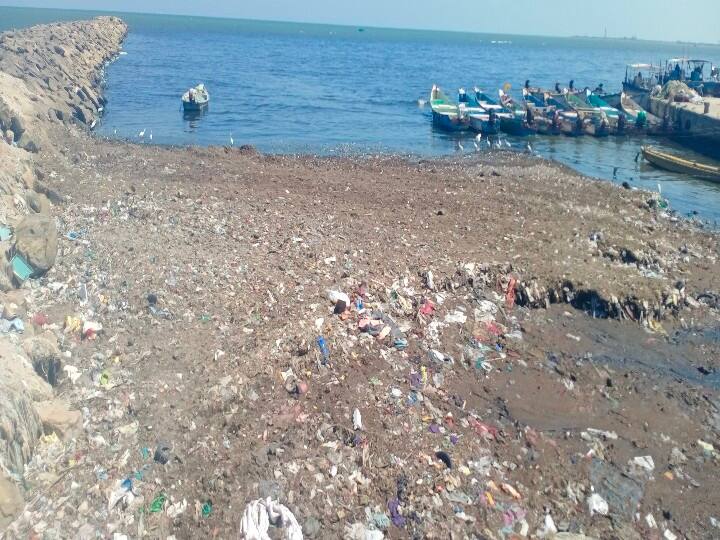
x=693 y=123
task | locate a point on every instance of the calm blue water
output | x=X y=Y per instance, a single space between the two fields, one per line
x=300 y=88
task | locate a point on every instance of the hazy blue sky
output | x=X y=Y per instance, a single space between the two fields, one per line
x=689 y=20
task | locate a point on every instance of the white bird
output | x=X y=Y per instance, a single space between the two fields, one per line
x=507 y=143
x=151 y=134
x=114 y=131
x=487 y=141
x=478 y=137
x=142 y=133
x=477 y=148
x=460 y=147
x=232 y=142
x=529 y=148
x=498 y=145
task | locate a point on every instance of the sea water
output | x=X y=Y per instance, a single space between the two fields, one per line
x=338 y=90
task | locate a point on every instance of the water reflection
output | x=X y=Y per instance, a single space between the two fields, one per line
x=193 y=118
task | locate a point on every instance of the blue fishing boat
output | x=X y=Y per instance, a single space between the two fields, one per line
x=195 y=99
x=481 y=120
x=446 y=115
x=511 y=121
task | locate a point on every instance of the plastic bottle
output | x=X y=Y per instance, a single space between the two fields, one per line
x=322 y=345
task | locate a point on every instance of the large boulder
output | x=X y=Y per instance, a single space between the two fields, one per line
x=18 y=374
x=11 y=501
x=57 y=417
x=36 y=240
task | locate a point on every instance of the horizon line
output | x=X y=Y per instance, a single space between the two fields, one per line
x=364 y=27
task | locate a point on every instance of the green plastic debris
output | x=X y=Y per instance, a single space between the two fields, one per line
x=158 y=503
x=145 y=453
x=206 y=509
x=5 y=233
x=21 y=268
x=104 y=378
x=204 y=317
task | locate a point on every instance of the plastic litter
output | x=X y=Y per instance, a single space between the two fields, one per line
x=597 y=505
x=162 y=453
x=359 y=531
x=261 y=513
x=91 y=329
x=357 y=420
x=324 y=350
x=21 y=268
x=644 y=463
x=158 y=503
x=13 y=325
x=174 y=510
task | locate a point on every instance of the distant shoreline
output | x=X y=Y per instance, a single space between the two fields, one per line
x=358 y=28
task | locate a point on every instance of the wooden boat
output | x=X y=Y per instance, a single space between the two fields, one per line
x=485 y=116
x=671 y=162
x=618 y=120
x=195 y=99
x=524 y=118
x=512 y=120
x=447 y=115
x=593 y=119
x=546 y=118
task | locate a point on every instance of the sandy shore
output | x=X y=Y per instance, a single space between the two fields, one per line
x=525 y=353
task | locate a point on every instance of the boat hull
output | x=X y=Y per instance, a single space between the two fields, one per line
x=448 y=122
x=674 y=163
x=481 y=125
x=194 y=106
x=516 y=126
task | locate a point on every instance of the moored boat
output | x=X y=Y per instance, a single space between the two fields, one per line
x=447 y=115
x=484 y=117
x=675 y=163
x=195 y=98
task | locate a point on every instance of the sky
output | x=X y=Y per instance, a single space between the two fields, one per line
x=667 y=20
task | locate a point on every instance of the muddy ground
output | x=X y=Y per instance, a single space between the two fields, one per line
x=210 y=269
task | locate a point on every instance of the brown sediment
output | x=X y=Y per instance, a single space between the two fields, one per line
x=565 y=304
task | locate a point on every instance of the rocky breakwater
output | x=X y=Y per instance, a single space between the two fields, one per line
x=52 y=74
x=50 y=77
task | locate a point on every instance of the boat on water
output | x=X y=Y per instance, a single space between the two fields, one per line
x=640 y=80
x=512 y=120
x=483 y=118
x=594 y=120
x=447 y=115
x=639 y=117
x=195 y=99
x=524 y=121
x=675 y=163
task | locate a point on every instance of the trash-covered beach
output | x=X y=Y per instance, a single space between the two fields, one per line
x=225 y=342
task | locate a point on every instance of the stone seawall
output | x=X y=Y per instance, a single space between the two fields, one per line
x=50 y=77
x=52 y=74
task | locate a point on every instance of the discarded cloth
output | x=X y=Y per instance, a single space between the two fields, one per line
x=260 y=514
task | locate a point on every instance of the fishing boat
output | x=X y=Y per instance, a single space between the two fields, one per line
x=484 y=117
x=512 y=121
x=447 y=115
x=619 y=121
x=195 y=99
x=594 y=120
x=524 y=118
x=640 y=79
x=546 y=117
x=672 y=162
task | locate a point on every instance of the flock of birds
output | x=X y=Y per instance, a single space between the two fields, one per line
x=498 y=144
